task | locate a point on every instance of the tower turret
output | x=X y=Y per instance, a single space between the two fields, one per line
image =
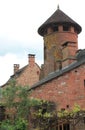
x=60 y=35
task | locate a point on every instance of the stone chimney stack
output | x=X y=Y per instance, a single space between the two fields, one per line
x=31 y=59
x=69 y=51
x=16 y=68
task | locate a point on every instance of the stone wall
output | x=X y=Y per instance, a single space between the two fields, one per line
x=65 y=90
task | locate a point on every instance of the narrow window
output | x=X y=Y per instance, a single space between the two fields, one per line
x=2 y=113
x=84 y=119
x=67 y=106
x=65 y=28
x=55 y=28
x=60 y=128
x=84 y=82
x=66 y=127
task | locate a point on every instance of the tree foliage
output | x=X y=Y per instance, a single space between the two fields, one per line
x=18 y=103
x=44 y=114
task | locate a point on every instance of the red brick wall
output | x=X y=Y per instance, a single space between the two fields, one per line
x=67 y=89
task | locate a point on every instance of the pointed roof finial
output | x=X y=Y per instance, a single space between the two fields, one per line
x=58 y=6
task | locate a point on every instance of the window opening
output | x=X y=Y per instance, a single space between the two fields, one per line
x=2 y=113
x=67 y=106
x=55 y=28
x=65 y=28
x=60 y=128
x=66 y=127
x=84 y=82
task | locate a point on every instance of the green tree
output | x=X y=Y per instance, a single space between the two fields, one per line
x=17 y=102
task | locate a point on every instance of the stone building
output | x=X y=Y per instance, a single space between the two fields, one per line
x=63 y=72
x=61 y=78
x=28 y=75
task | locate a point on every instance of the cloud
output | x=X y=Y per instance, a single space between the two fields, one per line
x=6 y=67
x=18 y=47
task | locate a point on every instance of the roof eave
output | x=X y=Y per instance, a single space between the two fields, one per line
x=58 y=73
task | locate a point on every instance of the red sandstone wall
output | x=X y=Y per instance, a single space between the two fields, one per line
x=29 y=76
x=53 y=49
x=60 y=38
x=65 y=90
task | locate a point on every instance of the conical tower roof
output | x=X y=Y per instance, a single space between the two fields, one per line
x=57 y=18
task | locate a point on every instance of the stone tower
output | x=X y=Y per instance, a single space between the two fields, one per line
x=60 y=34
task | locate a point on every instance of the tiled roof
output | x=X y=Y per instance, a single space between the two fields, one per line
x=58 y=17
x=80 y=59
x=19 y=71
x=14 y=75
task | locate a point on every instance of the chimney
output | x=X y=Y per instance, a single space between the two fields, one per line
x=69 y=51
x=31 y=59
x=16 y=68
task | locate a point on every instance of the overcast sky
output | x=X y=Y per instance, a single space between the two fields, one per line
x=19 y=21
